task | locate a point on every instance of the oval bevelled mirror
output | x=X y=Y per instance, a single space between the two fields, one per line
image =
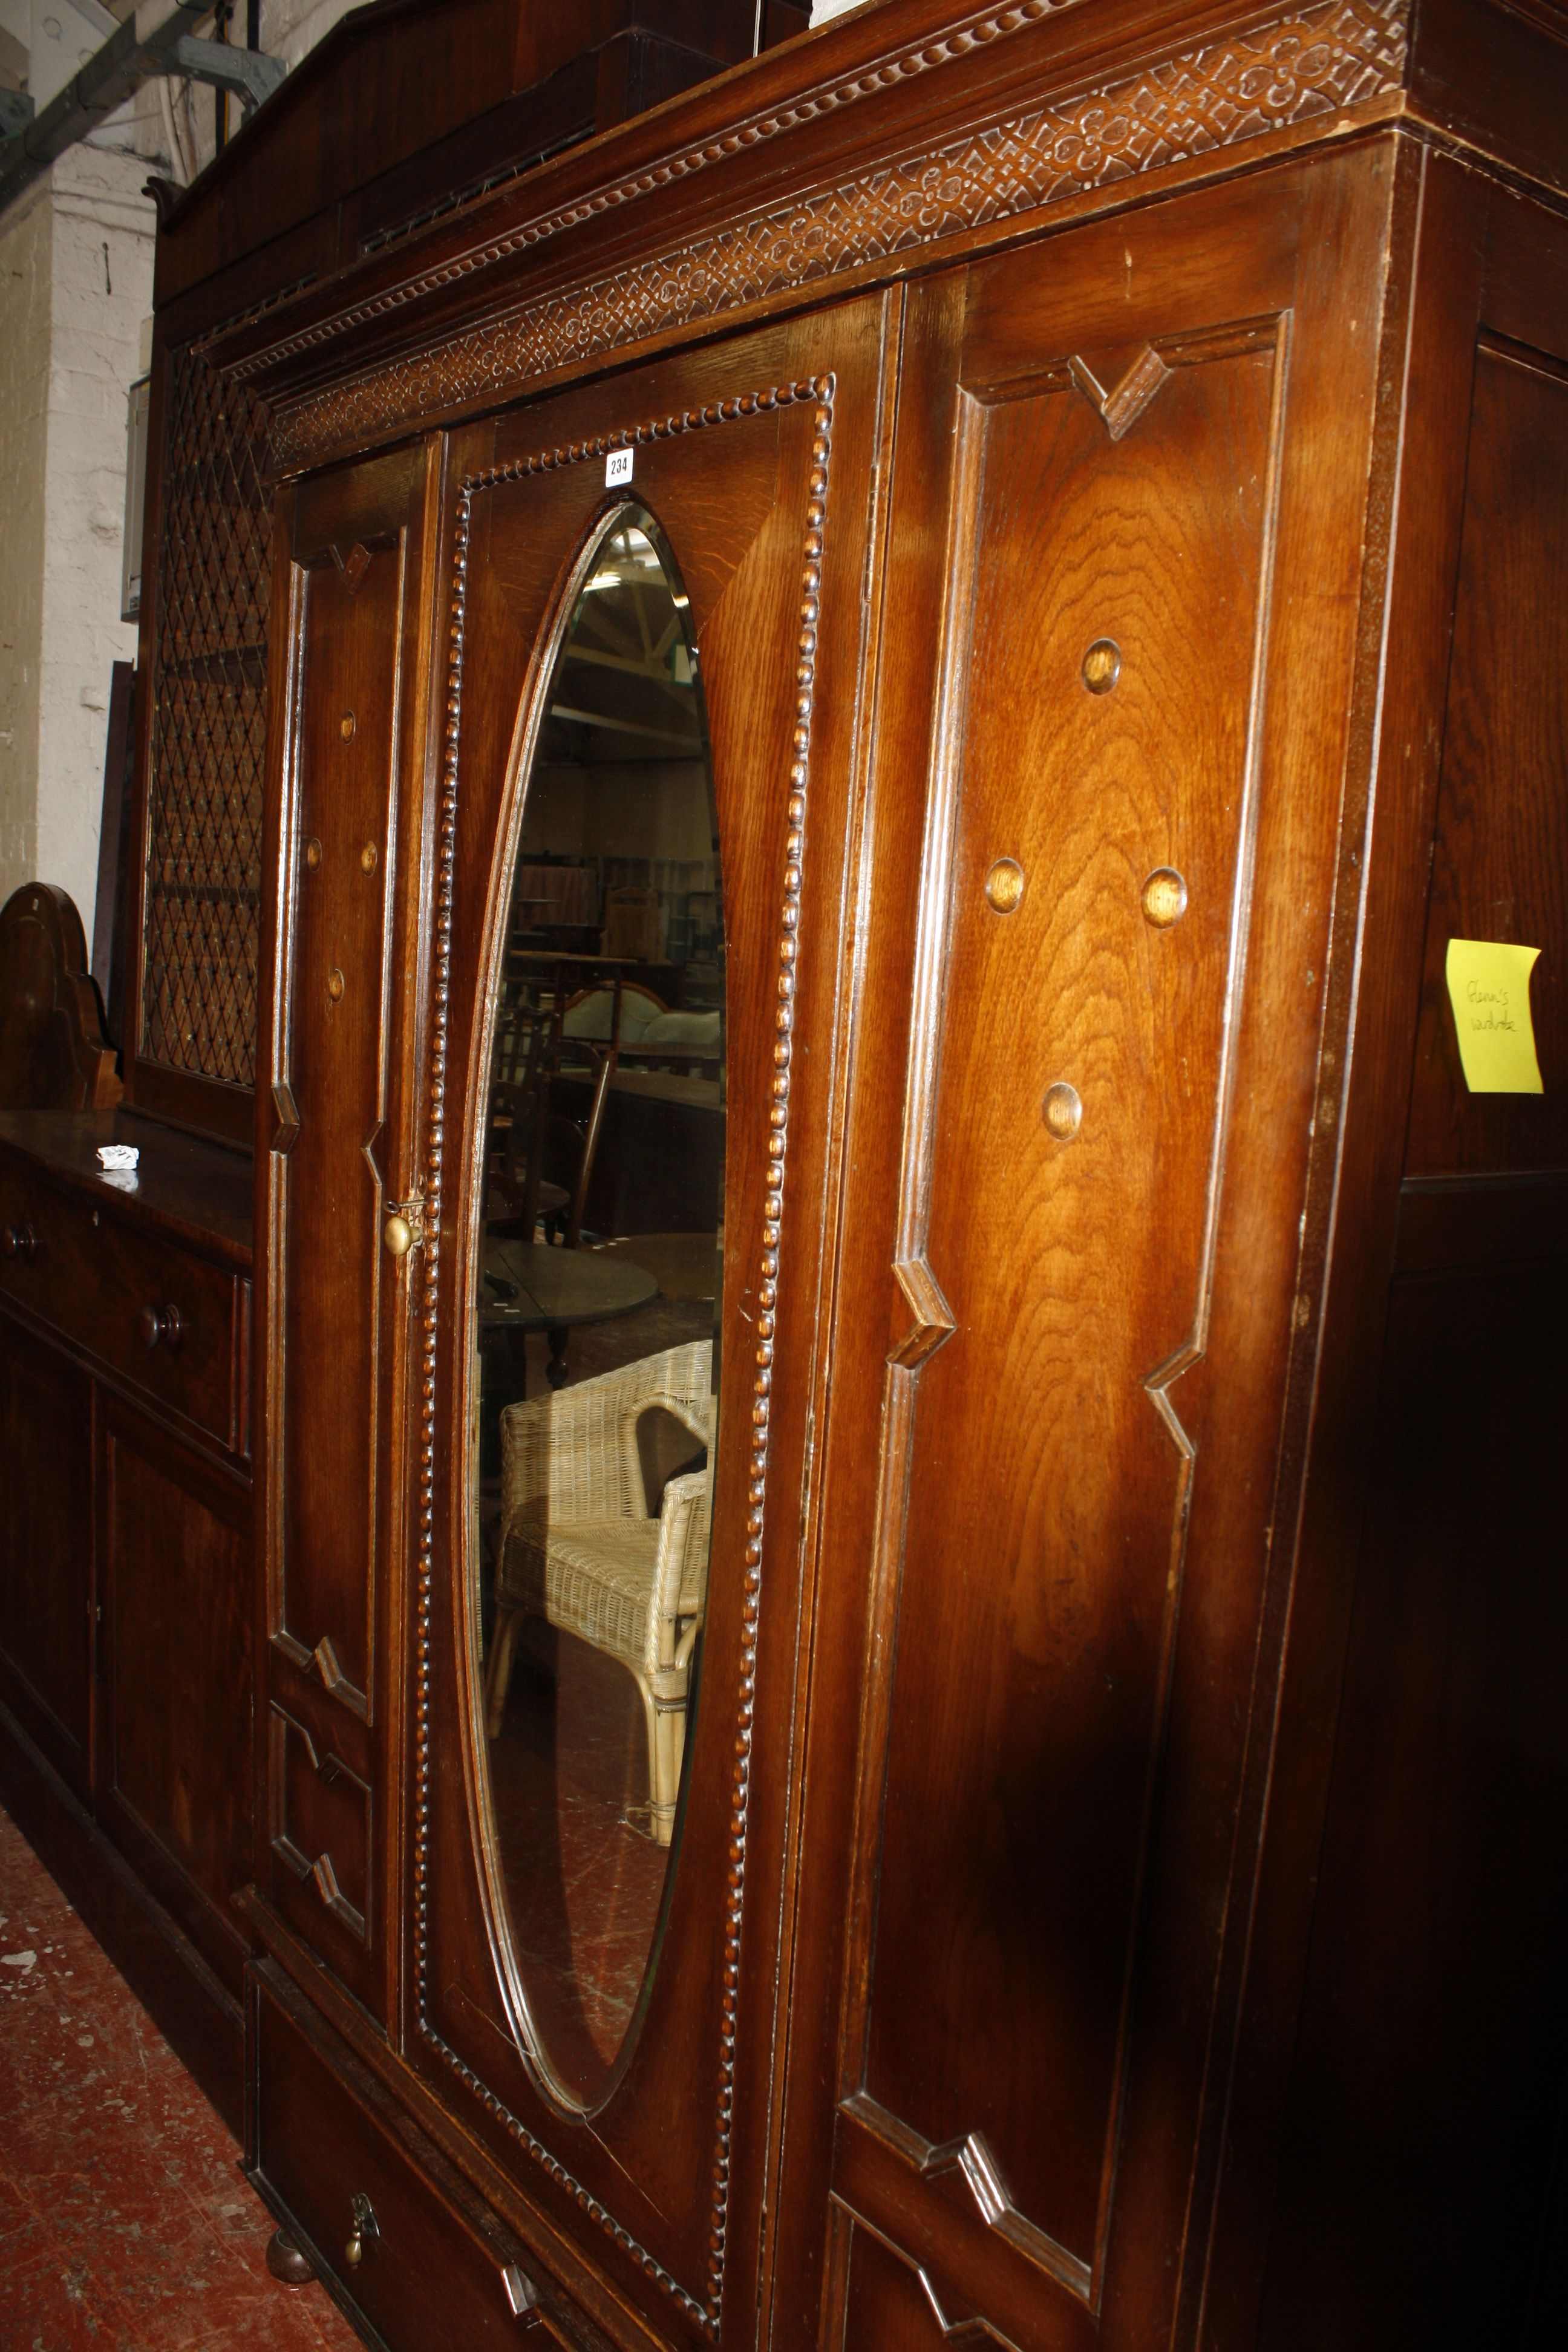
x=597 y=1313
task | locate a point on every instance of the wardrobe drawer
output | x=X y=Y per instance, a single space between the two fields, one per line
x=424 y=2274
x=162 y=1318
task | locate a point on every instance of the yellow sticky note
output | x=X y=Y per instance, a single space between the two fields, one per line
x=1489 y=988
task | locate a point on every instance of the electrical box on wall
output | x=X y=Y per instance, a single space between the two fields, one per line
x=136 y=494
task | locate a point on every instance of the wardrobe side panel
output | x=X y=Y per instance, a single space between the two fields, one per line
x=1422 y=2192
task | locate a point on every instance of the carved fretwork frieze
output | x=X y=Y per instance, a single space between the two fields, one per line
x=1314 y=61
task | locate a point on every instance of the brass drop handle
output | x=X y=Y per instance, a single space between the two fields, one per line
x=365 y=2231
x=19 y=1240
x=162 y=1327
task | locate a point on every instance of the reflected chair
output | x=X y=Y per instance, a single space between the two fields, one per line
x=576 y=1545
x=540 y=1161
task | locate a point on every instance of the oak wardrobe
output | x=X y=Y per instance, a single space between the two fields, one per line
x=907 y=1622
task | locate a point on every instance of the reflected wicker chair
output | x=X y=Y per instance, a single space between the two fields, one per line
x=576 y=1546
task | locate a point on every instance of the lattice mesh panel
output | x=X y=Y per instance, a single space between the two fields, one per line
x=209 y=733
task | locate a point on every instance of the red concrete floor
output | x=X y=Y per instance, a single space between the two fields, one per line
x=125 y=2224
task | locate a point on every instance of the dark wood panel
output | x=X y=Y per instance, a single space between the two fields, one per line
x=1499 y=866
x=335 y=1066
x=890 y=2304
x=1420 y=2200
x=401 y=76
x=321 y=1829
x=1495 y=74
x=1432 y=2059
x=175 y=1771
x=343 y=968
x=1356 y=1225
x=46 y=1546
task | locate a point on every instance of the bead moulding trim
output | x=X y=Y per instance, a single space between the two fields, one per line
x=1308 y=63
x=819 y=391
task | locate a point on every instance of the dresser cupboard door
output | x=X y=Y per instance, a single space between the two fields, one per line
x=1142 y=449
x=672 y=562
x=174 y=1761
x=336 y=1160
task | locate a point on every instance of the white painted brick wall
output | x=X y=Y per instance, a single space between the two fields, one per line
x=76 y=281
x=102 y=284
x=26 y=237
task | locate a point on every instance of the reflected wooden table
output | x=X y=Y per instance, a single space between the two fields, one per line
x=531 y=1287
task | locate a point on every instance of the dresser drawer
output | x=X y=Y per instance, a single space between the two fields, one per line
x=159 y=1317
x=425 y=2274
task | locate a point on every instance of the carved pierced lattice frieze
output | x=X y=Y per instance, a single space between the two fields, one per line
x=1314 y=61
x=209 y=731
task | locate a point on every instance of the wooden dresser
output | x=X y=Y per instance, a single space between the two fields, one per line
x=125 y=1532
x=951 y=1731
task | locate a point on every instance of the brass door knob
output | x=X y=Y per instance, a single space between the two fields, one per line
x=404 y=1227
x=365 y=2231
x=19 y=1240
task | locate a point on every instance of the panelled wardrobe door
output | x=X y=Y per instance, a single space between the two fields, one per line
x=337 y=1188
x=1144 y=445
x=646 y=857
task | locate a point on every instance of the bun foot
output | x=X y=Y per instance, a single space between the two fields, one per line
x=285 y=2261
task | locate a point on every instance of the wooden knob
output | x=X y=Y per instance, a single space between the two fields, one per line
x=1005 y=886
x=19 y=1240
x=1062 y=1111
x=162 y=1327
x=1101 y=666
x=1163 y=897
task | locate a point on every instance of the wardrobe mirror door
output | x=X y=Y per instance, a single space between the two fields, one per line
x=598 y=1312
